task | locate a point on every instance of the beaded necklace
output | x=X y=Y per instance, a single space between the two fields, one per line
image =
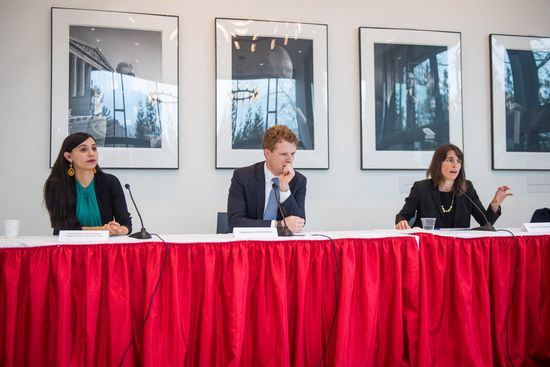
x=450 y=207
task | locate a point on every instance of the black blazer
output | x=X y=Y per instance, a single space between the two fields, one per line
x=541 y=215
x=424 y=202
x=110 y=200
x=246 y=200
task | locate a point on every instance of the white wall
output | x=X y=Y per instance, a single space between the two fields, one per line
x=186 y=200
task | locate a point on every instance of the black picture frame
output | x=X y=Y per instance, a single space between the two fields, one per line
x=520 y=95
x=404 y=70
x=115 y=76
x=267 y=73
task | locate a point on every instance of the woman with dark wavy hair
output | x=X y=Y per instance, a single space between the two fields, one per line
x=79 y=195
x=447 y=196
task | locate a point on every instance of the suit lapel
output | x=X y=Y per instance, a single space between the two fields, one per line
x=260 y=189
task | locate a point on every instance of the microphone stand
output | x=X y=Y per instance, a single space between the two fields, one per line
x=143 y=234
x=282 y=231
x=487 y=226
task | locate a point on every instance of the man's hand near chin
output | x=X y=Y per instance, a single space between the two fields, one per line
x=286 y=177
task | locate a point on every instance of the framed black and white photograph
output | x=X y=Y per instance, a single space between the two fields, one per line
x=520 y=70
x=270 y=73
x=411 y=96
x=115 y=76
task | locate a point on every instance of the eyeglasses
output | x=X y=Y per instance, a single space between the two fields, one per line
x=453 y=160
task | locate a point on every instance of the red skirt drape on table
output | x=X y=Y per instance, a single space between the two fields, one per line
x=466 y=290
x=241 y=303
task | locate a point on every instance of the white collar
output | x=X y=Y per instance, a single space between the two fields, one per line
x=268 y=174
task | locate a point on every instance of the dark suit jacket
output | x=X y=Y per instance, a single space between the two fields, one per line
x=246 y=200
x=541 y=215
x=424 y=202
x=110 y=200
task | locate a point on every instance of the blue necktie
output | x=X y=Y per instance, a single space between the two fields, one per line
x=270 y=212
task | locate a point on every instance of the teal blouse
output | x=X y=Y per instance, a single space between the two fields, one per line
x=87 y=210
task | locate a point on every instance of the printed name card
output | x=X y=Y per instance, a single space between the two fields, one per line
x=254 y=232
x=83 y=236
x=542 y=227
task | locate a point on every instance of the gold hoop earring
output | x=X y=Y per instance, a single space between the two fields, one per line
x=70 y=171
x=95 y=170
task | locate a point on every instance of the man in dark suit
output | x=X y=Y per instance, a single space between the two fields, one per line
x=249 y=203
x=411 y=102
x=541 y=215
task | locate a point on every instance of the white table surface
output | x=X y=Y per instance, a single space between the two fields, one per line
x=37 y=241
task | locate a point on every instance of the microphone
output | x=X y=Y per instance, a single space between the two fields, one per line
x=143 y=234
x=283 y=231
x=487 y=226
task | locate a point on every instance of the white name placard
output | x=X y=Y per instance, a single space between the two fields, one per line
x=541 y=227
x=83 y=236
x=254 y=232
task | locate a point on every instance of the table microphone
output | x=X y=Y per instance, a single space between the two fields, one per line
x=283 y=231
x=487 y=226
x=143 y=234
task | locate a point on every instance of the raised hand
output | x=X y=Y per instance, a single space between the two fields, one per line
x=286 y=176
x=502 y=193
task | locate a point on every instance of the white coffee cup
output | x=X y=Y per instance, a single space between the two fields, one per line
x=11 y=227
